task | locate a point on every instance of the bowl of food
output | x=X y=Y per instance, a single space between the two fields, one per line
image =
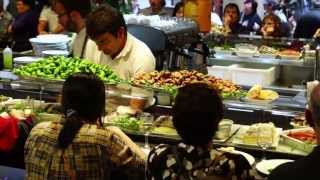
x=246 y=50
x=267 y=52
x=289 y=54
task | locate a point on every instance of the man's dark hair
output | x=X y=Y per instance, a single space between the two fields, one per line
x=83 y=101
x=104 y=19
x=163 y=3
x=176 y=8
x=82 y=6
x=30 y=3
x=196 y=113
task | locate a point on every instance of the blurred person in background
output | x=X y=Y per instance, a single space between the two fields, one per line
x=273 y=7
x=78 y=146
x=315 y=3
x=271 y=26
x=218 y=7
x=72 y=16
x=231 y=17
x=5 y=20
x=24 y=25
x=215 y=18
x=126 y=55
x=306 y=167
x=197 y=112
x=178 y=10
x=249 y=18
x=48 y=20
x=309 y=22
x=157 y=7
x=11 y=8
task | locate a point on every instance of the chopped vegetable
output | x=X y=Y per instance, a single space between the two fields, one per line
x=127 y=122
x=307 y=136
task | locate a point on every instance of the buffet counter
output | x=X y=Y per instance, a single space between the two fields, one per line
x=277 y=108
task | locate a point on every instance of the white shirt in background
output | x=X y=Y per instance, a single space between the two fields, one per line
x=281 y=15
x=215 y=19
x=47 y=14
x=134 y=58
x=90 y=52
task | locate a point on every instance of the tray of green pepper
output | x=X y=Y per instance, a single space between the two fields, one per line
x=57 y=68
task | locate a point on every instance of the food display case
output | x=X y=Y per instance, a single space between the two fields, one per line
x=123 y=97
x=274 y=61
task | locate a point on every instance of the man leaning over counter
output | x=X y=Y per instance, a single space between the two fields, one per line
x=125 y=54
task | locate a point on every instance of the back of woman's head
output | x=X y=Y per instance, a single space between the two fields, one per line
x=83 y=101
x=85 y=94
x=196 y=113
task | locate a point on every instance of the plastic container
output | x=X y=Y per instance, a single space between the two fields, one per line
x=251 y=74
x=221 y=71
x=224 y=129
x=295 y=143
x=7 y=58
x=48 y=53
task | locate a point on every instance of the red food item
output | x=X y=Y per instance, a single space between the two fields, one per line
x=307 y=136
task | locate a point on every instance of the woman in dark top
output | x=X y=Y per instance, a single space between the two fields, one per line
x=196 y=114
x=231 y=16
x=249 y=19
x=24 y=25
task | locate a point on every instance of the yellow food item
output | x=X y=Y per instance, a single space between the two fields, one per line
x=251 y=135
x=254 y=92
x=268 y=95
x=165 y=131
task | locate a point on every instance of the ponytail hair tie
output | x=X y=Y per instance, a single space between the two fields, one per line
x=71 y=112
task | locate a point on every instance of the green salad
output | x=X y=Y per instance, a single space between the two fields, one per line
x=127 y=122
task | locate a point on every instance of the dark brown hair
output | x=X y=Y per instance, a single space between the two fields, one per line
x=104 y=19
x=83 y=101
x=276 y=20
x=197 y=112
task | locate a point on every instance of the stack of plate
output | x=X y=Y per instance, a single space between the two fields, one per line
x=19 y=61
x=50 y=42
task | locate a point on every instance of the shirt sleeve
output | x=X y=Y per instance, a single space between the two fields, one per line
x=157 y=162
x=145 y=61
x=236 y=166
x=123 y=150
x=44 y=15
x=92 y=52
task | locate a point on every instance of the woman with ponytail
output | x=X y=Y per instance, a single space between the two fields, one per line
x=78 y=146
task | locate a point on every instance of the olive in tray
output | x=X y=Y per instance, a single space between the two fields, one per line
x=170 y=81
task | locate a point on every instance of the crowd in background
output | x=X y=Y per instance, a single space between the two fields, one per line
x=280 y=18
x=24 y=19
